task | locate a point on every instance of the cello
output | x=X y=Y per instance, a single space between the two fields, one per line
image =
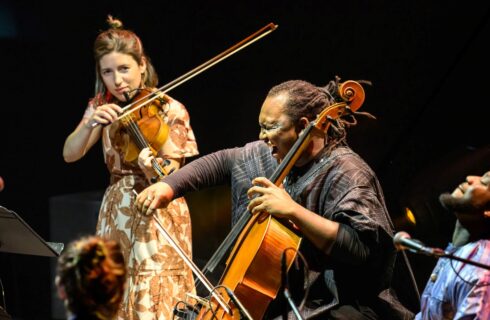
x=252 y=275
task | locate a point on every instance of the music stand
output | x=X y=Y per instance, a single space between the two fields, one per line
x=16 y=236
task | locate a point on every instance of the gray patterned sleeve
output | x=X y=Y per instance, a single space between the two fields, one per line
x=207 y=171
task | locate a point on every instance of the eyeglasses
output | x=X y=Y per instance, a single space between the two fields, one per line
x=265 y=129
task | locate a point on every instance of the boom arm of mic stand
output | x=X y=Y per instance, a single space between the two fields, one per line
x=451 y=256
x=439 y=253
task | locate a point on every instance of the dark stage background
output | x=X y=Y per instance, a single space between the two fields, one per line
x=427 y=60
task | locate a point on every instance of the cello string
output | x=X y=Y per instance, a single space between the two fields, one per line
x=245 y=217
x=322 y=122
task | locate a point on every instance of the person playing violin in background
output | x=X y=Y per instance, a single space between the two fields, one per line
x=157 y=277
x=457 y=290
x=331 y=195
x=90 y=278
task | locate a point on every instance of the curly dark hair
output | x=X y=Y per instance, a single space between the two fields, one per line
x=304 y=98
x=307 y=100
x=92 y=272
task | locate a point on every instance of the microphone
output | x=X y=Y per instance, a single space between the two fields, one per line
x=402 y=241
x=243 y=311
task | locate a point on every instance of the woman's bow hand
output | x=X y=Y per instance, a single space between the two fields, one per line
x=104 y=114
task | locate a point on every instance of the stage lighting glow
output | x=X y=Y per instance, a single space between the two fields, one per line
x=409 y=215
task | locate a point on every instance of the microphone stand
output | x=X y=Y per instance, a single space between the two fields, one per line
x=241 y=308
x=287 y=294
x=291 y=303
x=402 y=241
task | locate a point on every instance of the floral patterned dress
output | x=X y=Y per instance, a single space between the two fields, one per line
x=157 y=277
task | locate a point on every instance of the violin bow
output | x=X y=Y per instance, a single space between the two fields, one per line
x=201 y=68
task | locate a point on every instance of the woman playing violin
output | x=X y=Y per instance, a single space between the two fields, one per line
x=157 y=276
x=331 y=195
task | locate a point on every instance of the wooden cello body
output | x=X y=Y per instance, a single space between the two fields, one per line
x=253 y=275
x=253 y=269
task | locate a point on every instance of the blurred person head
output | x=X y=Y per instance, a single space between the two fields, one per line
x=90 y=278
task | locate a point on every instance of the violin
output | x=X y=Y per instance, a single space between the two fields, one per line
x=146 y=128
x=153 y=127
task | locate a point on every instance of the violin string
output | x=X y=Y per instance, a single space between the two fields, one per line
x=138 y=136
x=141 y=142
x=158 y=168
x=136 y=133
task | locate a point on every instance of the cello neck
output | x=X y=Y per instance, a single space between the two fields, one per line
x=352 y=95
